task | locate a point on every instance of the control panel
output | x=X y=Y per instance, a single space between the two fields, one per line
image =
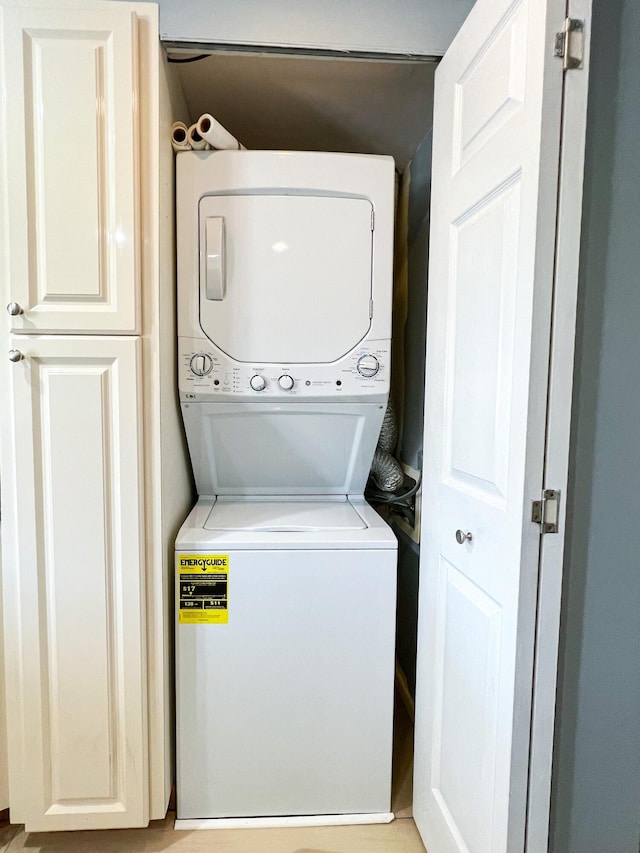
x=206 y=372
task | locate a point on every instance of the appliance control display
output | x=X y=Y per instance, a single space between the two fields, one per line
x=368 y=365
x=286 y=382
x=258 y=383
x=201 y=364
x=207 y=373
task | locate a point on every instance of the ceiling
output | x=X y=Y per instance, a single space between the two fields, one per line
x=312 y=103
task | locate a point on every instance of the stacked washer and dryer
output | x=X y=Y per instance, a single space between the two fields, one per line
x=285 y=576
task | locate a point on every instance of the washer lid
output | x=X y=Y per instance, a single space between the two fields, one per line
x=281 y=516
x=285 y=278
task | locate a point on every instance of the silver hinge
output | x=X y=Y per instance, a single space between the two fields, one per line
x=569 y=44
x=546 y=512
x=373 y=220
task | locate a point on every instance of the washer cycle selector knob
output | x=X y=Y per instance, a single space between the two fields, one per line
x=201 y=364
x=258 y=383
x=286 y=382
x=368 y=365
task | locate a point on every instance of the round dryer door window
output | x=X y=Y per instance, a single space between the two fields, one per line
x=285 y=278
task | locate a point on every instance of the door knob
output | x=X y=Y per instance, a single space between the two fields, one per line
x=15 y=355
x=462 y=537
x=14 y=309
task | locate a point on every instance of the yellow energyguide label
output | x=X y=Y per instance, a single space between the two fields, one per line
x=203 y=586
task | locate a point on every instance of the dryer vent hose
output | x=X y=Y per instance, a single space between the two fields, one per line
x=389 y=430
x=385 y=470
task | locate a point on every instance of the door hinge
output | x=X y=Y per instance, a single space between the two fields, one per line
x=373 y=220
x=547 y=511
x=569 y=44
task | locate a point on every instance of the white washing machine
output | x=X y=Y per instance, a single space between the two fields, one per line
x=285 y=577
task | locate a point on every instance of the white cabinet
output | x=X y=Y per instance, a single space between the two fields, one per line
x=72 y=150
x=95 y=479
x=76 y=410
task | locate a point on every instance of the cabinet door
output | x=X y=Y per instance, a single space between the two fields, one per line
x=69 y=86
x=80 y=563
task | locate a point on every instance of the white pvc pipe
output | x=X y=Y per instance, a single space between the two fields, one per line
x=179 y=136
x=195 y=139
x=216 y=135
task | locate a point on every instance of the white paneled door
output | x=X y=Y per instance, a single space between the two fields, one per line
x=75 y=410
x=498 y=104
x=72 y=186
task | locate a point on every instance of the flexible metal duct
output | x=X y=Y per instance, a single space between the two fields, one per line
x=385 y=470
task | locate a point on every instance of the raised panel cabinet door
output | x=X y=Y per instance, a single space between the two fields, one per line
x=80 y=563
x=496 y=145
x=69 y=85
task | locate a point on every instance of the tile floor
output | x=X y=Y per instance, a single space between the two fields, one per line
x=400 y=836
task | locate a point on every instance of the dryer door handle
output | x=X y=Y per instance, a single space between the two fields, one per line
x=214 y=266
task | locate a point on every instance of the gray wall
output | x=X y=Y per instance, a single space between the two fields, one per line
x=311 y=103
x=596 y=783
x=416 y=325
x=410 y=447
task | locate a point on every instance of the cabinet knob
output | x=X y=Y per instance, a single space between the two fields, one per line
x=14 y=309
x=462 y=537
x=15 y=355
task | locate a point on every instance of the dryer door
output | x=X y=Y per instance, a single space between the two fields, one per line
x=285 y=278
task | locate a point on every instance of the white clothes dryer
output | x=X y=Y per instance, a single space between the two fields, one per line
x=285 y=577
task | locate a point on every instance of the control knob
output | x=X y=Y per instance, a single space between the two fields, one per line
x=286 y=382
x=201 y=364
x=368 y=365
x=258 y=383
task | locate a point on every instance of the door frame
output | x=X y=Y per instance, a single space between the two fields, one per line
x=559 y=409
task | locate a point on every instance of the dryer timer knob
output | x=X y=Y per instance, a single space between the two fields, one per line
x=368 y=365
x=258 y=383
x=201 y=364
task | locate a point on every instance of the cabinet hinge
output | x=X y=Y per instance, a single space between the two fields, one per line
x=373 y=220
x=547 y=511
x=569 y=44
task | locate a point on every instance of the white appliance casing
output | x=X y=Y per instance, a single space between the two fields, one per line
x=301 y=231
x=286 y=710
x=307 y=174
